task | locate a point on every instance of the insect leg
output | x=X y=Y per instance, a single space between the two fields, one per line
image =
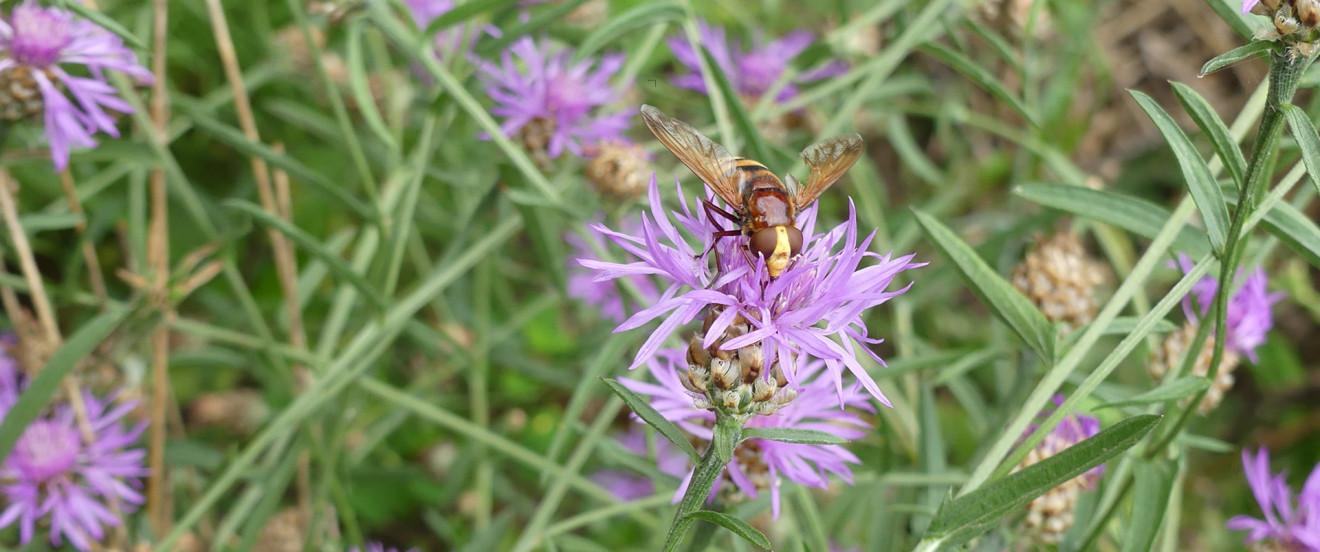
x=712 y=209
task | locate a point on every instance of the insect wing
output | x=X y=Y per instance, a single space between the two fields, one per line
x=708 y=160
x=828 y=160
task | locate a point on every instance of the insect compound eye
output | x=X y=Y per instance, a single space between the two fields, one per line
x=764 y=241
x=794 y=241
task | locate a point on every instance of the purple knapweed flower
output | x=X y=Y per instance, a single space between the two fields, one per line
x=628 y=485
x=813 y=309
x=1293 y=525
x=55 y=479
x=1248 y=4
x=560 y=98
x=378 y=547
x=37 y=45
x=750 y=72
x=758 y=464
x=447 y=41
x=1249 y=318
x=604 y=295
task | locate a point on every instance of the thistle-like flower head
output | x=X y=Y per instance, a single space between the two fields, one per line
x=812 y=310
x=751 y=72
x=38 y=48
x=1292 y=522
x=1249 y=316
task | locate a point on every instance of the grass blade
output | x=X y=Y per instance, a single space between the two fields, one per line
x=1149 y=502
x=1129 y=213
x=1182 y=387
x=982 y=77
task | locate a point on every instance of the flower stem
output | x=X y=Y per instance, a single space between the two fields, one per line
x=1286 y=69
x=728 y=431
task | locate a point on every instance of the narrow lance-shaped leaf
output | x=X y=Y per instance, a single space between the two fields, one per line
x=1174 y=390
x=1249 y=50
x=1007 y=303
x=1215 y=129
x=1205 y=191
x=1303 y=129
x=793 y=435
x=652 y=417
x=982 y=77
x=737 y=526
x=981 y=510
x=40 y=389
x=1294 y=228
x=1129 y=213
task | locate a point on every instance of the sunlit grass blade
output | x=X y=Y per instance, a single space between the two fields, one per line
x=979 y=511
x=1214 y=128
x=643 y=15
x=652 y=417
x=1138 y=216
x=1182 y=387
x=1007 y=303
x=1205 y=191
x=733 y=524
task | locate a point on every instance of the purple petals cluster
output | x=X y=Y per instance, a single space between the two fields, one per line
x=57 y=480
x=816 y=407
x=378 y=547
x=751 y=72
x=812 y=310
x=533 y=85
x=1294 y=525
x=1072 y=429
x=1249 y=317
x=604 y=294
x=43 y=44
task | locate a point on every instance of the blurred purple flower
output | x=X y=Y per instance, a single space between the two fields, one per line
x=447 y=41
x=1248 y=4
x=1249 y=317
x=1073 y=429
x=551 y=89
x=758 y=463
x=378 y=547
x=813 y=309
x=751 y=72
x=54 y=479
x=1294 y=526
x=604 y=294
x=628 y=485
x=37 y=43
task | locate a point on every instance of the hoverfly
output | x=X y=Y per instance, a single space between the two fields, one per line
x=764 y=209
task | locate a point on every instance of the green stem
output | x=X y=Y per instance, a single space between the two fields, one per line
x=728 y=430
x=1285 y=74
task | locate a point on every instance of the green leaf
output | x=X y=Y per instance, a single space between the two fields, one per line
x=651 y=416
x=756 y=146
x=1307 y=140
x=737 y=526
x=643 y=15
x=1129 y=213
x=38 y=392
x=983 y=509
x=1205 y=191
x=1151 y=498
x=1182 y=387
x=358 y=85
x=310 y=244
x=982 y=77
x=1251 y=49
x=1006 y=302
x=793 y=435
x=1214 y=129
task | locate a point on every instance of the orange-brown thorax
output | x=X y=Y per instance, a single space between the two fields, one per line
x=769 y=217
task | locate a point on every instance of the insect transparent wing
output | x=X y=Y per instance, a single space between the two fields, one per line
x=828 y=160
x=708 y=160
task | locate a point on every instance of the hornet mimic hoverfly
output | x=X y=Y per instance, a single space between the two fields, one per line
x=764 y=209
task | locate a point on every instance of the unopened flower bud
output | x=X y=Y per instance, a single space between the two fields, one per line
x=723 y=373
x=753 y=362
